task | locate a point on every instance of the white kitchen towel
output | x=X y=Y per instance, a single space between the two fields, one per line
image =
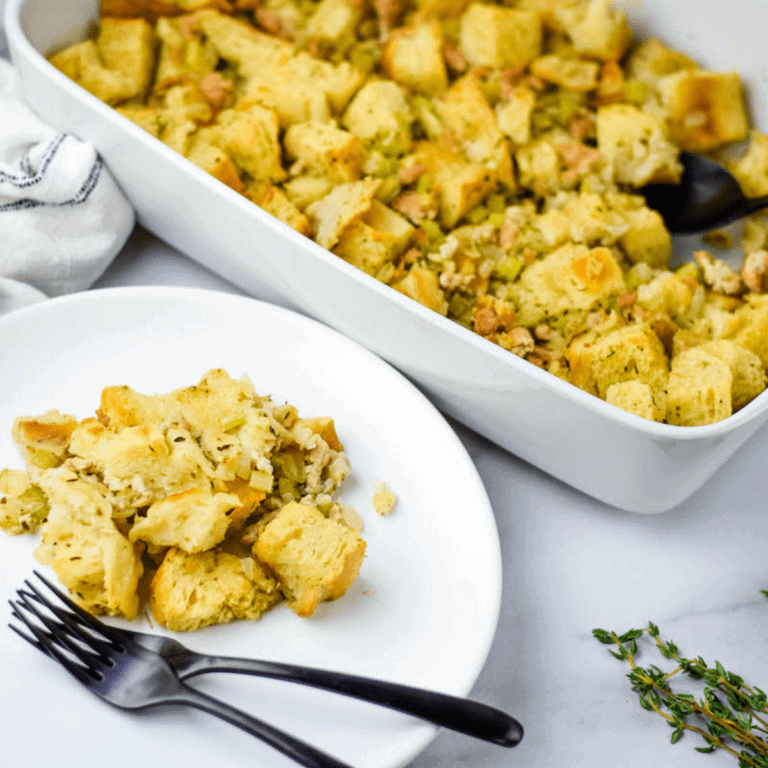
x=62 y=216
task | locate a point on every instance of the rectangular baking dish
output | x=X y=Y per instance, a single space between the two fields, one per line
x=620 y=459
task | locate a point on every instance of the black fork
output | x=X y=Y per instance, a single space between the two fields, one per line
x=129 y=676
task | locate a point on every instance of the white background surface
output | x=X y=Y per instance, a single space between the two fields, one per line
x=572 y=564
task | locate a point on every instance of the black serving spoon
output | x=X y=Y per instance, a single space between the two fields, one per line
x=706 y=198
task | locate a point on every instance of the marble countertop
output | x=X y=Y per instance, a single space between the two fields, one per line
x=572 y=564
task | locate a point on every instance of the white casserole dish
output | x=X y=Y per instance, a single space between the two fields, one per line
x=623 y=460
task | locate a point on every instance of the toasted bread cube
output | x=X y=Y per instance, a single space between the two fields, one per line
x=571 y=278
x=538 y=167
x=461 y=185
x=82 y=64
x=628 y=353
x=217 y=162
x=122 y=406
x=635 y=147
x=652 y=60
x=466 y=113
x=595 y=28
x=413 y=56
x=502 y=38
x=250 y=138
x=190 y=591
x=379 y=109
x=381 y=235
x=571 y=73
x=666 y=294
x=751 y=171
x=341 y=207
x=749 y=378
x=304 y=190
x=334 y=20
x=23 y=505
x=43 y=441
x=147 y=118
x=699 y=389
x=514 y=115
x=339 y=82
x=153 y=9
x=422 y=284
x=127 y=46
x=637 y=397
x=750 y=327
x=92 y=559
x=183 y=55
x=706 y=108
x=274 y=201
x=314 y=559
x=194 y=520
x=294 y=102
x=441 y=9
x=325 y=150
x=647 y=239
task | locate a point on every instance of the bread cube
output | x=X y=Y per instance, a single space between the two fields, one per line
x=293 y=102
x=339 y=208
x=122 y=406
x=381 y=235
x=274 y=201
x=217 y=163
x=324 y=150
x=380 y=109
x=467 y=115
x=339 y=82
x=652 y=60
x=573 y=278
x=571 y=73
x=191 y=591
x=182 y=55
x=647 y=240
x=749 y=378
x=513 y=116
x=751 y=171
x=750 y=327
x=147 y=118
x=194 y=520
x=594 y=27
x=667 y=294
x=43 y=441
x=637 y=397
x=334 y=20
x=498 y=37
x=305 y=189
x=128 y=46
x=152 y=9
x=92 y=559
x=706 y=108
x=628 y=353
x=23 y=505
x=699 y=389
x=314 y=559
x=250 y=138
x=538 y=167
x=461 y=185
x=441 y=9
x=635 y=147
x=422 y=284
x=413 y=56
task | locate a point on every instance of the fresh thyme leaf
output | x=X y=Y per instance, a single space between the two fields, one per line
x=727 y=715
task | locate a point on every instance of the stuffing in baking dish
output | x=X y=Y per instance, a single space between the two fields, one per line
x=480 y=158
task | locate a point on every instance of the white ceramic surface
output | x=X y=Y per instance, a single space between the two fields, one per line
x=623 y=460
x=425 y=606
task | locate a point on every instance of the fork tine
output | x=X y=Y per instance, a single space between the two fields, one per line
x=45 y=644
x=62 y=634
x=32 y=641
x=71 y=621
x=80 y=614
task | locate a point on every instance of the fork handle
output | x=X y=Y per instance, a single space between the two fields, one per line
x=299 y=751
x=463 y=715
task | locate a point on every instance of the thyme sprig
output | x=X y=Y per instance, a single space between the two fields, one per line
x=729 y=714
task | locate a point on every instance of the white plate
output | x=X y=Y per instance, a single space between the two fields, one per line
x=433 y=568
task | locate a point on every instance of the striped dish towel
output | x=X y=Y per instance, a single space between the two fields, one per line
x=62 y=216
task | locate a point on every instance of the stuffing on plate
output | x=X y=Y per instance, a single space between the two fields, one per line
x=481 y=158
x=224 y=495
